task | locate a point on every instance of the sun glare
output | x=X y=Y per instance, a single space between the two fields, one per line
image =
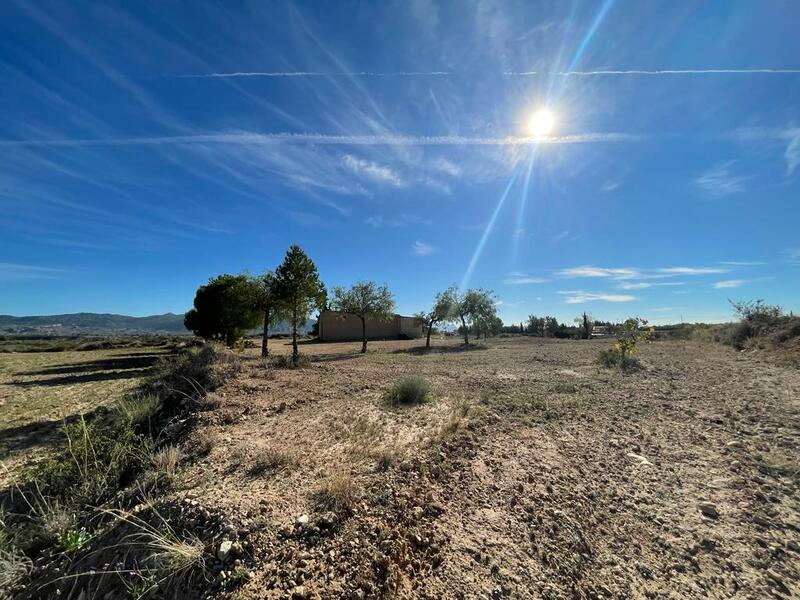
x=541 y=123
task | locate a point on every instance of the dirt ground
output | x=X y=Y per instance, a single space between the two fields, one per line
x=531 y=473
x=39 y=390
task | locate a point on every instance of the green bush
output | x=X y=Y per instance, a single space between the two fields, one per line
x=284 y=361
x=407 y=391
x=611 y=357
x=98 y=459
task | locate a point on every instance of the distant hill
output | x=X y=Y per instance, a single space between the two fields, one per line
x=81 y=323
x=111 y=324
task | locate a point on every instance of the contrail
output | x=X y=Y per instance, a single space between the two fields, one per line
x=659 y=72
x=248 y=138
x=315 y=74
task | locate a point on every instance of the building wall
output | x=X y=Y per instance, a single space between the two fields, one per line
x=334 y=326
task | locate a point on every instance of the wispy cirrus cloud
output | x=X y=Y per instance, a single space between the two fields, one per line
x=793 y=255
x=590 y=271
x=420 y=248
x=371 y=170
x=691 y=270
x=741 y=263
x=721 y=180
x=604 y=72
x=401 y=220
x=729 y=283
x=793 y=153
x=643 y=285
x=523 y=280
x=581 y=297
x=16 y=272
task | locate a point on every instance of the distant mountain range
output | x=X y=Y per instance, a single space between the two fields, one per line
x=108 y=324
x=82 y=323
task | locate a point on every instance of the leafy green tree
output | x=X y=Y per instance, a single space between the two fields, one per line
x=536 y=325
x=441 y=311
x=269 y=303
x=223 y=308
x=366 y=300
x=299 y=290
x=473 y=307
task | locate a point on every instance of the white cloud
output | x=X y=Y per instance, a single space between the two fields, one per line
x=420 y=248
x=741 y=263
x=691 y=270
x=793 y=153
x=401 y=220
x=15 y=271
x=371 y=170
x=610 y=186
x=793 y=254
x=729 y=283
x=719 y=181
x=644 y=285
x=578 y=297
x=589 y=271
x=523 y=280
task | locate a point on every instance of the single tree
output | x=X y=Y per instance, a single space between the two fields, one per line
x=269 y=303
x=223 y=309
x=584 y=326
x=440 y=312
x=474 y=307
x=366 y=300
x=299 y=290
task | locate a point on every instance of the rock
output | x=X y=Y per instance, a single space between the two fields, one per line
x=302 y=520
x=639 y=458
x=708 y=509
x=224 y=550
x=735 y=444
x=761 y=520
x=793 y=545
x=299 y=593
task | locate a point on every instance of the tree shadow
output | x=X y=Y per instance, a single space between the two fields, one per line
x=38 y=433
x=116 y=363
x=84 y=378
x=422 y=350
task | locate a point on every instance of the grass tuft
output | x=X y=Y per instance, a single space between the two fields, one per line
x=270 y=461
x=339 y=494
x=407 y=391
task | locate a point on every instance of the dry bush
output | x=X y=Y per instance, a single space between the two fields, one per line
x=271 y=460
x=339 y=494
x=166 y=461
x=458 y=419
x=407 y=391
x=14 y=568
x=284 y=361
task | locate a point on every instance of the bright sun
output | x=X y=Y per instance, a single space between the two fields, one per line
x=541 y=123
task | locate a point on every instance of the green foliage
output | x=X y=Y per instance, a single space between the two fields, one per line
x=543 y=326
x=442 y=311
x=73 y=540
x=366 y=300
x=474 y=308
x=97 y=460
x=757 y=312
x=224 y=308
x=584 y=326
x=407 y=391
x=629 y=334
x=299 y=288
x=269 y=302
x=284 y=361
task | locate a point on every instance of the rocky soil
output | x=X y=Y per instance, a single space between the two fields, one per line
x=531 y=473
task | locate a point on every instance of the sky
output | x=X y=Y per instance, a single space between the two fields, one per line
x=148 y=146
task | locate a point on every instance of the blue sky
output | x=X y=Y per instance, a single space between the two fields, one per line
x=145 y=147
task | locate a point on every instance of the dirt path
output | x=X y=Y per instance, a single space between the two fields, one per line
x=533 y=473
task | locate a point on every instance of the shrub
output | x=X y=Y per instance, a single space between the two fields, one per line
x=338 y=494
x=407 y=391
x=98 y=459
x=271 y=460
x=284 y=361
x=611 y=357
x=73 y=540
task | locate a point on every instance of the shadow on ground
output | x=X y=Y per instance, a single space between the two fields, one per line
x=130 y=361
x=421 y=350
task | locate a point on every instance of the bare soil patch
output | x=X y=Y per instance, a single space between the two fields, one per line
x=529 y=472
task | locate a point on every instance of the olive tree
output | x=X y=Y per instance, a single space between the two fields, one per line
x=366 y=300
x=442 y=311
x=299 y=290
x=474 y=307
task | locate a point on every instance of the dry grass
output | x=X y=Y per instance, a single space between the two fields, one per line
x=339 y=493
x=408 y=391
x=269 y=460
x=166 y=462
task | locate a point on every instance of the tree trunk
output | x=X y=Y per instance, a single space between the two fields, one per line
x=295 y=353
x=230 y=337
x=466 y=331
x=430 y=328
x=264 y=349
x=363 y=335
